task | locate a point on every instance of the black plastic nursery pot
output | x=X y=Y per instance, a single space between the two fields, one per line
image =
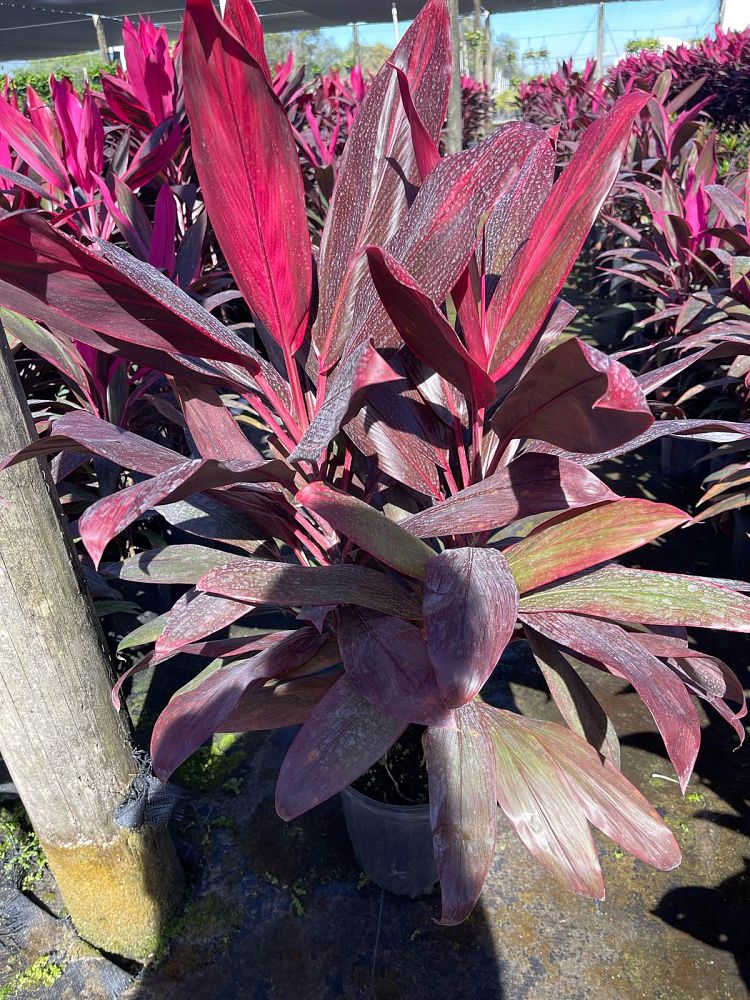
x=388 y=820
x=392 y=844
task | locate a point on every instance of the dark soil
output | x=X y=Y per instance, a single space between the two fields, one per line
x=400 y=778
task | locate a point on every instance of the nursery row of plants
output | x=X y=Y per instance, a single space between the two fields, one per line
x=672 y=242
x=277 y=319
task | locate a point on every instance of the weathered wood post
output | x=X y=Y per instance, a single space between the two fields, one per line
x=66 y=748
x=454 y=135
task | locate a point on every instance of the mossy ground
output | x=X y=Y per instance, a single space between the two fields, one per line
x=39 y=976
x=21 y=855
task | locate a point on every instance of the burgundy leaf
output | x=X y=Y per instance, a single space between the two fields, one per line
x=577 y=704
x=370 y=529
x=343 y=399
x=580 y=540
x=49 y=277
x=425 y=330
x=577 y=398
x=386 y=661
x=470 y=604
x=83 y=431
x=378 y=169
x=213 y=428
x=243 y=144
x=110 y=515
x=196 y=711
x=258 y=581
x=343 y=736
x=529 y=485
x=661 y=690
x=461 y=772
x=275 y=706
x=426 y=151
x=194 y=616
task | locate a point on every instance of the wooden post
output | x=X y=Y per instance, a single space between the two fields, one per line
x=355 y=44
x=66 y=748
x=101 y=38
x=454 y=137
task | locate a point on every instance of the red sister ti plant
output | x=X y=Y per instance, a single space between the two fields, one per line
x=418 y=401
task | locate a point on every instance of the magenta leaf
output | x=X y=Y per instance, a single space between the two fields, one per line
x=461 y=772
x=577 y=398
x=236 y=121
x=529 y=485
x=386 y=661
x=582 y=539
x=343 y=736
x=470 y=604
x=370 y=529
x=560 y=229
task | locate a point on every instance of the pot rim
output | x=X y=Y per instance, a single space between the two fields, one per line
x=418 y=807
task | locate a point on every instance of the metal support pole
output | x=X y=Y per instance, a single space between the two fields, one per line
x=600 y=41
x=478 y=60
x=355 y=43
x=396 y=29
x=488 y=53
x=454 y=137
x=101 y=38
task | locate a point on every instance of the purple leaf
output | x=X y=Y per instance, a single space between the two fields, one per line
x=275 y=706
x=257 y=581
x=386 y=661
x=577 y=398
x=470 y=604
x=461 y=772
x=343 y=736
x=529 y=485
x=370 y=529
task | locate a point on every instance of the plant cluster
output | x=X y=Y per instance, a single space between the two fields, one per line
x=397 y=455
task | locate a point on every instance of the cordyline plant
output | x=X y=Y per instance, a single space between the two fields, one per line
x=417 y=397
